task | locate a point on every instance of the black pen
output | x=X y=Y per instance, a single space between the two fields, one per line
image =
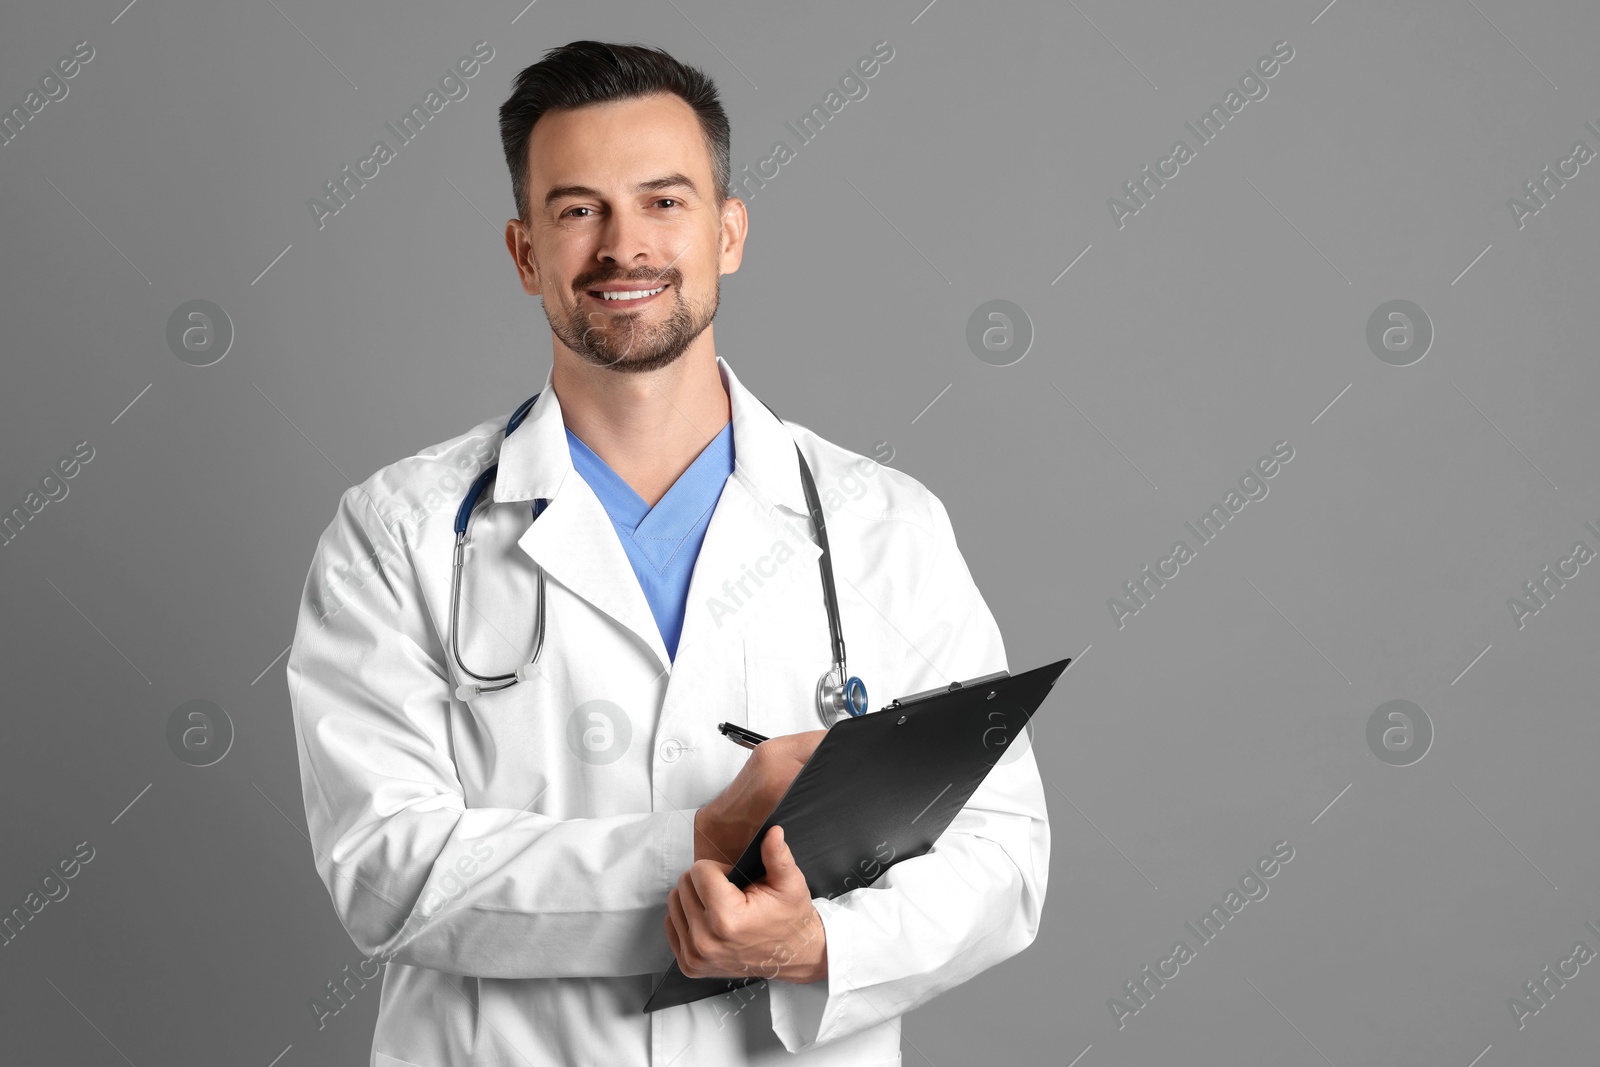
x=739 y=735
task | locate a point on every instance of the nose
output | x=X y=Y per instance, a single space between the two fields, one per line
x=623 y=240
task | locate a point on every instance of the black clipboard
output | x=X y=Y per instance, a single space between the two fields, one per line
x=881 y=788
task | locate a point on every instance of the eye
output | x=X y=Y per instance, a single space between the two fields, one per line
x=570 y=210
x=670 y=200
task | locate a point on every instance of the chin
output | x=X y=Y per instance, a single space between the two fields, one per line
x=632 y=362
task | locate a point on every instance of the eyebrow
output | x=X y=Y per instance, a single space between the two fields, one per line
x=670 y=181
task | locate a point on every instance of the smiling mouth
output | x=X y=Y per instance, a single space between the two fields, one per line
x=626 y=298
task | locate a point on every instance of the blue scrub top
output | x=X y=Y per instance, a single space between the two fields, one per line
x=662 y=542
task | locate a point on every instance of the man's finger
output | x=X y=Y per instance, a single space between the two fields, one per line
x=783 y=872
x=692 y=907
x=712 y=889
x=676 y=929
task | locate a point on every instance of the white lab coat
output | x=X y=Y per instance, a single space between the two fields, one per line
x=510 y=855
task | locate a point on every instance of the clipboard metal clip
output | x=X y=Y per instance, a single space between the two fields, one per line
x=900 y=702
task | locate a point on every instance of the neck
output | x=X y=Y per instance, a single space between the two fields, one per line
x=647 y=427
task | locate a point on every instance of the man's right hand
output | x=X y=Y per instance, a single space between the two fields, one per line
x=725 y=826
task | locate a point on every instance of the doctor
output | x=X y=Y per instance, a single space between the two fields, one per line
x=526 y=859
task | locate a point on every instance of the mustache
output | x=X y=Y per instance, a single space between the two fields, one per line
x=585 y=282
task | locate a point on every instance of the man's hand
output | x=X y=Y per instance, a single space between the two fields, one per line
x=725 y=826
x=769 y=930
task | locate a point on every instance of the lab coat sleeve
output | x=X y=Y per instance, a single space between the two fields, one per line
x=415 y=875
x=931 y=922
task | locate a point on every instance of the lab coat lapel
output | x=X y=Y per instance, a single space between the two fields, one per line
x=757 y=545
x=575 y=543
x=573 y=539
x=753 y=555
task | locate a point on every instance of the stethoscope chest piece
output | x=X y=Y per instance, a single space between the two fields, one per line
x=835 y=693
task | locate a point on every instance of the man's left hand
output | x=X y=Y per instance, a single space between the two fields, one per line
x=769 y=929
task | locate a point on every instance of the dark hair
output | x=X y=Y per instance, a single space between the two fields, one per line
x=583 y=73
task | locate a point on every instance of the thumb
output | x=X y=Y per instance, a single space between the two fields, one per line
x=783 y=873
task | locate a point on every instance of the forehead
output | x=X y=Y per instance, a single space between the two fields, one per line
x=617 y=143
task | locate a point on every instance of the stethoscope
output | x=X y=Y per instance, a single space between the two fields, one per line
x=837 y=689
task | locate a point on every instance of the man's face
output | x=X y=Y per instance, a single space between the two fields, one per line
x=621 y=202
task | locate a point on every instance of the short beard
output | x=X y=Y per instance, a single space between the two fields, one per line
x=625 y=346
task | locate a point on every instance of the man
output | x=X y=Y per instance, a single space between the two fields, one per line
x=527 y=859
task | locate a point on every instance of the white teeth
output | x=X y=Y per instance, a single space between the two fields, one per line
x=634 y=294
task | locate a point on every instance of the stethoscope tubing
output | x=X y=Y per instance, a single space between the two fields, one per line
x=837 y=690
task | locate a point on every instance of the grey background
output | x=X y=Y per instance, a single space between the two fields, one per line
x=1226 y=316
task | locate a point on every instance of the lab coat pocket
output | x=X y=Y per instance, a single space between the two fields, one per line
x=781 y=692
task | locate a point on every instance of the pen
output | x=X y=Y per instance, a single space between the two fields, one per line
x=739 y=735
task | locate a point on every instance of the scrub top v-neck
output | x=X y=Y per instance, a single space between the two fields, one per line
x=662 y=542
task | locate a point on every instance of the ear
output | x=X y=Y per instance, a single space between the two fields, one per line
x=732 y=229
x=521 y=249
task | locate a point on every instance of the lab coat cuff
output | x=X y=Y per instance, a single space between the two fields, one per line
x=810 y=1014
x=677 y=847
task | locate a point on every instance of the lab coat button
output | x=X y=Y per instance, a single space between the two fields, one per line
x=671 y=749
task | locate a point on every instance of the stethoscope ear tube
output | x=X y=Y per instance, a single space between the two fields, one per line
x=463 y=522
x=499 y=681
x=470 y=501
x=837 y=690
